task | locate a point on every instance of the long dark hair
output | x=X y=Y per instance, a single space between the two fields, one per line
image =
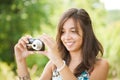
x=90 y=46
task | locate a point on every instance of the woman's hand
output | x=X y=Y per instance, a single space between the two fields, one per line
x=20 y=48
x=21 y=53
x=52 y=49
x=55 y=57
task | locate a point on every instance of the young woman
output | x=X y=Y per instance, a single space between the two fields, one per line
x=73 y=56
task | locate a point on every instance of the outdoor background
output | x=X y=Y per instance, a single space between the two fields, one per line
x=34 y=17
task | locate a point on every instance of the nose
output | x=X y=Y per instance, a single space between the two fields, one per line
x=67 y=36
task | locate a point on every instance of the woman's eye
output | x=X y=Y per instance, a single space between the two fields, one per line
x=73 y=30
x=62 y=31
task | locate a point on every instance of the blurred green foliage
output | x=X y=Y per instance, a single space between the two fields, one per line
x=19 y=17
x=112 y=48
x=34 y=17
x=6 y=72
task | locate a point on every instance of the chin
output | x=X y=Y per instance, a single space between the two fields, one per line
x=73 y=49
x=70 y=50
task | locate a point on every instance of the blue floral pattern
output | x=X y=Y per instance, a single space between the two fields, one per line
x=83 y=76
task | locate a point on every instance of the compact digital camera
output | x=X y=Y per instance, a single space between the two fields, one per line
x=35 y=45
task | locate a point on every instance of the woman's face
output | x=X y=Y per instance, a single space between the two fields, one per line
x=71 y=39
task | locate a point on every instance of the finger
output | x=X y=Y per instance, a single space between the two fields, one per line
x=20 y=47
x=42 y=52
x=25 y=38
x=48 y=36
x=22 y=43
x=17 y=48
x=32 y=52
x=47 y=40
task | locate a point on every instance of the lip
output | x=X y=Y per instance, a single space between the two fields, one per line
x=69 y=43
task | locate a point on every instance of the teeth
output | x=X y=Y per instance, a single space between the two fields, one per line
x=70 y=43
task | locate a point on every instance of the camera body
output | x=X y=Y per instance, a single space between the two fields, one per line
x=35 y=45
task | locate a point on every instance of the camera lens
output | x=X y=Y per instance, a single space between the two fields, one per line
x=34 y=45
x=37 y=44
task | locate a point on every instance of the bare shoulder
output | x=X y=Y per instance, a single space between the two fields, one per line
x=100 y=71
x=102 y=63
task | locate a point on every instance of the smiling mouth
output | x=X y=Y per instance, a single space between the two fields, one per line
x=69 y=43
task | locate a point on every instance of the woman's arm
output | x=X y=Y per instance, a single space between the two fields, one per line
x=22 y=69
x=65 y=72
x=54 y=55
x=100 y=71
x=21 y=53
x=47 y=72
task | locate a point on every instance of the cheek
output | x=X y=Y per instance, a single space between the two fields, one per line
x=76 y=36
x=61 y=38
x=78 y=39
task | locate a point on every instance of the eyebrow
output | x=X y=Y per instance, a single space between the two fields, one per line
x=70 y=28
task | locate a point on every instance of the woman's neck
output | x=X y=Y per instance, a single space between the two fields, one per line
x=76 y=56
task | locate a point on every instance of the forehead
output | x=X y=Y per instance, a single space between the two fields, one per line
x=68 y=24
x=71 y=24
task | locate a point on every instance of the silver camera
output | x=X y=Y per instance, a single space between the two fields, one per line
x=35 y=45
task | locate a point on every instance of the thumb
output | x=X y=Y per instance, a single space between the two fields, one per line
x=43 y=52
